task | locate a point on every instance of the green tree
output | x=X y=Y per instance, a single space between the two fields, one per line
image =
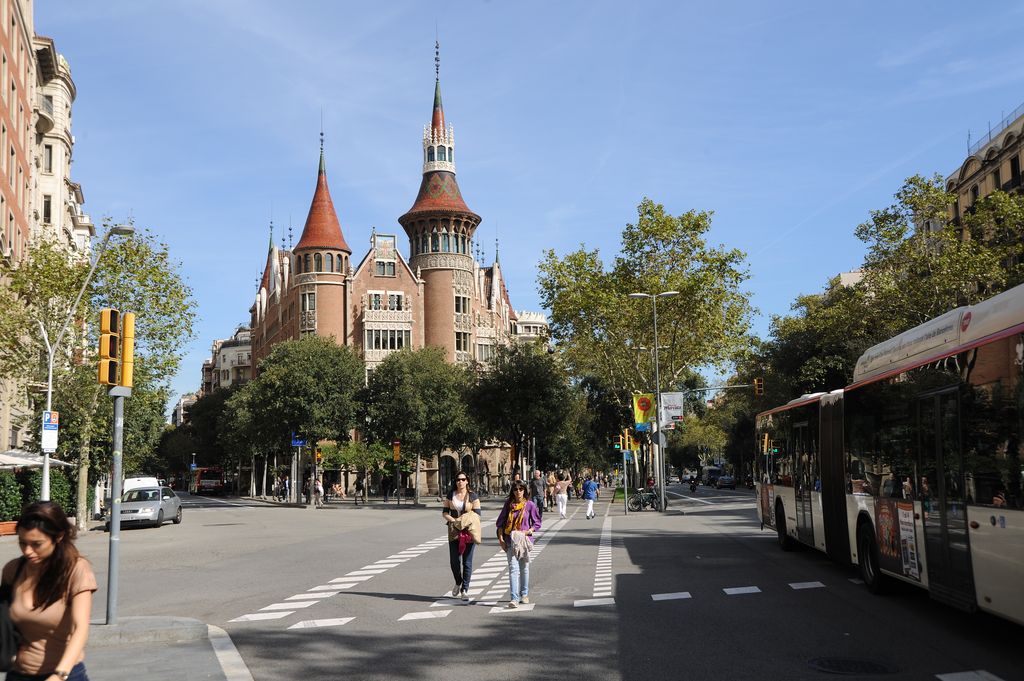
x=416 y=397
x=135 y=274
x=601 y=329
x=523 y=394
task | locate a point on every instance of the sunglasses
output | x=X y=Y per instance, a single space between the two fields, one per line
x=461 y=479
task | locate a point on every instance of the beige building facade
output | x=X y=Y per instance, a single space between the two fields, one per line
x=993 y=162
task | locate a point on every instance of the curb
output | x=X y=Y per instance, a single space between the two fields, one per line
x=146 y=630
x=231 y=663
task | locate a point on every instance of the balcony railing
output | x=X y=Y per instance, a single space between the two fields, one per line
x=370 y=315
x=994 y=132
x=44 y=122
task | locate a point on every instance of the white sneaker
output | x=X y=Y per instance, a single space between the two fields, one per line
x=526 y=600
x=465 y=596
x=456 y=590
x=512 y=605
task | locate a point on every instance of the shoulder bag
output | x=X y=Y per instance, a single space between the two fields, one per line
x=9 y=636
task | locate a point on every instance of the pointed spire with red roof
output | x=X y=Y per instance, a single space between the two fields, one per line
x=322 y=229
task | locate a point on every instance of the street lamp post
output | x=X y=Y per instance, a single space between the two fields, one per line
x=51 y=349
x=660 y=454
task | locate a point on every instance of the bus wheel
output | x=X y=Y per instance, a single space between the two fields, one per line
x=785 y=541
x=867 y=559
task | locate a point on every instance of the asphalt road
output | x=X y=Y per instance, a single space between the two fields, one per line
x=699 y=592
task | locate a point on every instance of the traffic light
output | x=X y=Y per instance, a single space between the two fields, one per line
x=759 y=386
x=617 y=443
x=127 y=349
x=110 y=346
x=319 y=455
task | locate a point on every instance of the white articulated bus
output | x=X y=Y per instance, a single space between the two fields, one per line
x=914 y=471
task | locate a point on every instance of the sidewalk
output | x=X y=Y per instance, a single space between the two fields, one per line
x=162 y=648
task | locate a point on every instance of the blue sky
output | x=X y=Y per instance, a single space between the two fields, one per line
x=789 y=120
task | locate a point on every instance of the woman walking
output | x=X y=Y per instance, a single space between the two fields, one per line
x=460 y=501
x=52 y=587
x=562 y=492
x=517 y=522
x=549 y=492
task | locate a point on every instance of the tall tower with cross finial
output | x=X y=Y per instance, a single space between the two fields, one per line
x=440 y=227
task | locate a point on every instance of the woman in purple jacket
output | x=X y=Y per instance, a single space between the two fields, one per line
x=517 y=522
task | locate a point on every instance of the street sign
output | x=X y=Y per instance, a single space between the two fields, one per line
x=297 y=441
x=627 y=455
x=191 y=466
x=51 y=424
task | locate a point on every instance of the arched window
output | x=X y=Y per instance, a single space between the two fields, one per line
x=444 y=242
x=330 y=262
x=298 y=265
x=423 y=243
x=451 y=154
x=441 y=156
x=434 y=243
x=337 y=263
x=430 y=154
x=306 y=265
x=318 y=263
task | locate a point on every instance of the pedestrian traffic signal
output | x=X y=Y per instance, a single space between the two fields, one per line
x=759 y=386
x=127 y=349
x=617 y=443
x=110 y=346
x=319 y=455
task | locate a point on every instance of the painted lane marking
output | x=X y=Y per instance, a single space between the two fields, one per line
x=313 y=624
x=424 y=615
x=286 y=606
x=856 y=580
x=588 y=602
x=307 y=596
x=737 y=590
x=806 y=585
x=678 y=595
x=975 y=675
x=371 y=573
x=329 y=587
x=503 y=609
x=350 y=580
x=253 y=617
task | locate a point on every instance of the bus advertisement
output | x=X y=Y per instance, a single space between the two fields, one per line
x=915 y=471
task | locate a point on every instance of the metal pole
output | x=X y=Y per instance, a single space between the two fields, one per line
x=625 y=485
x=416 y=483
x=659 y=454
x=115 y=505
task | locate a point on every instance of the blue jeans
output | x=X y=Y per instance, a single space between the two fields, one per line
x=539 y=503
x=462 y=566
x=77 y=674
x=518 y=576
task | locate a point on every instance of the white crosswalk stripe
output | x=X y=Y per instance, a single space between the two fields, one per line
x=314 y=624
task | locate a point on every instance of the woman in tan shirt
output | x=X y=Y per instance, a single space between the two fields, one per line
x=52 y=599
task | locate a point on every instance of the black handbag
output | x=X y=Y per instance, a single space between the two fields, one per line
x=9 y=636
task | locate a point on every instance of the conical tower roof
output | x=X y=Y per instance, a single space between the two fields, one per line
x=439 y=190
x=322 y=229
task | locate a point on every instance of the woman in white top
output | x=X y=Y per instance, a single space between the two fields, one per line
x=460 y=548
x=562 y=492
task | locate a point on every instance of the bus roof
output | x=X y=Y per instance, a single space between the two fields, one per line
x=943 y=335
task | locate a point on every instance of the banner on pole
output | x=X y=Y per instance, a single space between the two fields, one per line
x=643 y=408
x=671 y=408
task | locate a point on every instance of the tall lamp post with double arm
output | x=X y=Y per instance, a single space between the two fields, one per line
x=52 y=348
x=660 y=454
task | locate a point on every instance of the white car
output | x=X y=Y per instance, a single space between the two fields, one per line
x=152 y=506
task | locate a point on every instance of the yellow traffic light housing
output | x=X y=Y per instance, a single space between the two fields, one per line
x=759 y=386
x=127 y=350
x=110 y=346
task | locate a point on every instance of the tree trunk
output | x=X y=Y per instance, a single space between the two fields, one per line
x=82 y=513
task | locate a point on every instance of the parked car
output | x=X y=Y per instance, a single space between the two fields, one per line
x=151 y=506
x=725 y=482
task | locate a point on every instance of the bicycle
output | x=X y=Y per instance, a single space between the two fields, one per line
x=641 y=499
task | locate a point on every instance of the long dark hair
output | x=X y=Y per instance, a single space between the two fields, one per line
x=469 y=484
x=55 y=578
x=516 y=484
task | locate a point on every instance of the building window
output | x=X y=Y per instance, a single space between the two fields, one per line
x=385 y=268
x=375 y=301
x=1015 y=170
x=434 y=241
x=47 y=209
x=395 y=301
x=430 y=154
x=461 y=305
x=451 y=155
x=423 y=243
x=330 y=262
x=996 y=180
x=337 y=263
x=974 y=194
x=306 y=265
x=441 y=156
x=461 y=341
x=309 y=301
x=485 y=353
x=47 y=158
x=318 y=263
